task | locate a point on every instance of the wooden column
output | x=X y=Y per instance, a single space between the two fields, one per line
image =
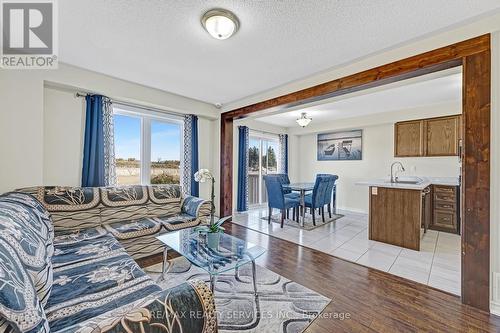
x=476 y=180
x=226 y=166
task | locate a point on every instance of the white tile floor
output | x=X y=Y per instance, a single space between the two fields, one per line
x=437 y=264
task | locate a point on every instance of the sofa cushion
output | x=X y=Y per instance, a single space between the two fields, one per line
x=144 y=246
x=134 y=228
x=22 y=227
x=43 y=215
x=188 y=307
x=75 y=236
x=42 y=222
x=86 y=249
x=162 y=194
x=123 y=203
x=20 y=307
x=86 y=289
x=71 y=207
x=164 y=200
x=178 y=222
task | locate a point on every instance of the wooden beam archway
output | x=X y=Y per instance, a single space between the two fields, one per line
x=475 y=57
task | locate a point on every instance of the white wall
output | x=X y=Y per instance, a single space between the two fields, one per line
x=41 y=122
x=206 y=135
x=21 y=130
x=63 y=125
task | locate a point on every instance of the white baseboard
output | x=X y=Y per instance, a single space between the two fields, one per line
x=354 y=210
x=495 y=308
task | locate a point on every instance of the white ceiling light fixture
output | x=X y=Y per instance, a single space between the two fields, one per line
x=304 y=120
x=220 y=23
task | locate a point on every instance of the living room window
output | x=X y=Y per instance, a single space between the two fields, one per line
x=148 y=146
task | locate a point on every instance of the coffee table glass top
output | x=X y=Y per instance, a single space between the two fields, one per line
x=228 y=254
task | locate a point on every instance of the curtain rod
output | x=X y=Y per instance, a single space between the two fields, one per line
x=133 y=105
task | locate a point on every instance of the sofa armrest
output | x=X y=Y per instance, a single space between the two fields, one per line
x=189 y=307
x=196 y=207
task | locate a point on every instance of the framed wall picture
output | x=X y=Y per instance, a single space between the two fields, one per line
x=340 y=146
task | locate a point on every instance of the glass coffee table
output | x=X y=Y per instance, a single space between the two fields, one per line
x=230 y=253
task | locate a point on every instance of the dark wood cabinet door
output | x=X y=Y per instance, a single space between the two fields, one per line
x=395 y=216
x=442 y=136
x=409 y=138
x=428 y=137
x=445 y=221
x=445 y=208
x=427 y=207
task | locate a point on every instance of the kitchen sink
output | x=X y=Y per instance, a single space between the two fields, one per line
x=410 y=181
x=415 y=182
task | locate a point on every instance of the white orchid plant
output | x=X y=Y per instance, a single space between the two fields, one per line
x=203 y=176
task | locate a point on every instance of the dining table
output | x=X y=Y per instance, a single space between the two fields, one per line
x=302 y=188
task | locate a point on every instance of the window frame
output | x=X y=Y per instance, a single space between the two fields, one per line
x=146 y=116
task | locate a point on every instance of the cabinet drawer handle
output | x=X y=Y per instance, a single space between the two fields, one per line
x=447 y=189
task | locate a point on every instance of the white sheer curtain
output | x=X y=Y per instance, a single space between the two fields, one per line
x=109 y=143
x=186 y=162
x=283 y=154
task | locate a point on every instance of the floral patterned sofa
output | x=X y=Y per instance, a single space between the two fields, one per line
x=66 y=261
x=134 y=215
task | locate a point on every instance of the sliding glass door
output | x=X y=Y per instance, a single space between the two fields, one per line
x=262 y=160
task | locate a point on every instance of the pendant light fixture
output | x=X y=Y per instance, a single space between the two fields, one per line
x=304 y=120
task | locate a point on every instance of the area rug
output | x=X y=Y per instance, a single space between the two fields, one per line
x=281 y=305
x=308 y=223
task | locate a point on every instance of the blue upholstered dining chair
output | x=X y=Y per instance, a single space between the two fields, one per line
x=276 y=198
x=284 y=180
x=283 y=177
x=331 y=194
x=317 y=198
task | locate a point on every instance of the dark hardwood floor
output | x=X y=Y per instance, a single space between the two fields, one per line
x=369 y=300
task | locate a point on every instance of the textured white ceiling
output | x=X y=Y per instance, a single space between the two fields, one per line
x=405 y=95
x=161 y=43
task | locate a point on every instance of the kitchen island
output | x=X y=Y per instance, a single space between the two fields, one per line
x=398 y=210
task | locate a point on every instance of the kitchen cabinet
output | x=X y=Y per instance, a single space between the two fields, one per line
x=395 y=216
x=428 y=137
x=397 y=213
x=442 y=136
x=409 y=137
x=445 y=209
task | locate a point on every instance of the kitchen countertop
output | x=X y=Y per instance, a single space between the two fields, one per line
x=426 y=181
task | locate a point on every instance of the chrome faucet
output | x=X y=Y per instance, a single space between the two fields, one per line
x=394 y=179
